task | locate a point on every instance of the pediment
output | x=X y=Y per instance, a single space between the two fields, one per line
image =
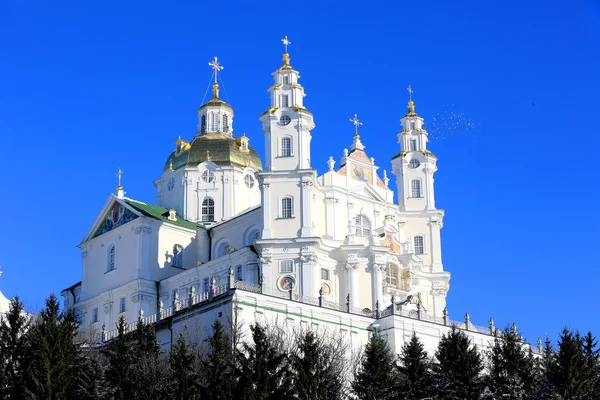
x=114 y=214
x=366 y=191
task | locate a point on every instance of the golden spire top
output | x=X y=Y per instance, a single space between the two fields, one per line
x=356 y=124
x=216 y=67
x=286 y=55
x=411 y=103
x=208 y=155
x=171 y=164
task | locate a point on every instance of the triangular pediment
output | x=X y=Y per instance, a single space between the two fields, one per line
x=114 y=214
x=367 y=192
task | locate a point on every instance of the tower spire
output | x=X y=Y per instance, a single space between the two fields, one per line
x=357 y=143
x=411 y=103
x=286 y=55
x=214 y=64
x=120 y=192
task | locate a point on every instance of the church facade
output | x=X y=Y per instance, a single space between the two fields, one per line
x=270 y=238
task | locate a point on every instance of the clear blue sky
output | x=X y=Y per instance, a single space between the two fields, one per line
x=87 y=87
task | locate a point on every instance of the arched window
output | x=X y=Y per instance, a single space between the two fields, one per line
x=177 y=256
x=286 y=207
x=214 y=122
x=203 y=124
x=286 y=146
x=286 y=266
x=208 y=176
x=208 y=210
x=110 y=265
x=239 y=273
x=419 y=244
x=223 y=250
x=415 y=188
x=363 y=225
x=122 y=305
x=286 y=80
x=95 y=315
x=225 y=123
x=391 y=275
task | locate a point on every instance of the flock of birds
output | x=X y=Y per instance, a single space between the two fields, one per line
x=450 y=122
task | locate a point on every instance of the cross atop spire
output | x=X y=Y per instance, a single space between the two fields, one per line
x=356 y=124
x=119 y=174
x=286 y=43
x=410 y=92
x=214 y=64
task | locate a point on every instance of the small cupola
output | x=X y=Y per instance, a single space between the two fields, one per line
x=215 y=116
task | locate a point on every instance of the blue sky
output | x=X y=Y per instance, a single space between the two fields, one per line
x=88 y=87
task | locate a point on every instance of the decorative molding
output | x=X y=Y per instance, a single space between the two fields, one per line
x=108 y=307
x=264 y=186
x=84 y=254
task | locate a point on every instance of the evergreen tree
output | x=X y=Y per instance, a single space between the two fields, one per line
x=144 y=341
x=150 y=374
x=376 y=376
x=457 y=368
x=567 y=371
x=218 y=367
x=182 y=363
x=120 y=358
x=592 y=366
x=56 y=353
x=414 y=370
x=510 y=367
x=315 y=374
x=90 y=381
x=14 y=348
x=541 y=387
x=262 y=370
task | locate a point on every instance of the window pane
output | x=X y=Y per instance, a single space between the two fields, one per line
x=325 y=274
x=286 y=207
x=208 y=210
x=413 y=145
x=285 y=101
x=419 y=245
x=286 y=147
x=286 y=266
x=363 y=225
x=416 y=188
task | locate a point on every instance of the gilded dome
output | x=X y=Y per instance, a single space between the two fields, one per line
x=215 y=147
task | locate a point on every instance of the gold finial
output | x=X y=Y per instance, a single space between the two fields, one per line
x=171 y=164
x=215 y=90
x=207 y=155
x=411 y=103
x=119 y=174
x=286 y=55
x=356 y=123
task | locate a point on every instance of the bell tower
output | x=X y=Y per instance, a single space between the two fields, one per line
x=414 y=165
x=287 y=123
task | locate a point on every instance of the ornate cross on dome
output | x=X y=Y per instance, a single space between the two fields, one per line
x=119 y=174
x=286 y=42
x=214 y=64
x=356 y=123
x=410 y=92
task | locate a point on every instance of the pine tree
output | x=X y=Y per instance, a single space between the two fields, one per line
x=567 y=371
x=182 y=362
x=56 y=353
x=375 y=378
x=315 y=374
x=90 y=381
x=150 y=373
x=262 y=371
x=541 y=387
x=510 y=367
x=592 y=366
x=120 y=358
x=14 y=348
x=414 y=370
x=218 y=367
x=457 y=368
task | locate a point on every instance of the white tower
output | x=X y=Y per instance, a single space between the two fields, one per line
x=414 y=165
x=287 y=185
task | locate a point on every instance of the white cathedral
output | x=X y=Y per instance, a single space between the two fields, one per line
x=270 y=238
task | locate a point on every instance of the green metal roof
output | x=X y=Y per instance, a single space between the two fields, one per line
x=161 y=214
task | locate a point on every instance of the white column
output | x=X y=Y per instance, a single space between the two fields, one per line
x=435 y=245
x=226 y=196
x=305 y=220
x=330 y=212
x=266 y=205
x=352 y=283
x=306 y=277
x=378 y=284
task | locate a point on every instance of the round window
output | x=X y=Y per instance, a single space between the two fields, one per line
x=414 y=163
x=285 y=120
x=326 y=289
x=249 y=180
x=208 y=176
